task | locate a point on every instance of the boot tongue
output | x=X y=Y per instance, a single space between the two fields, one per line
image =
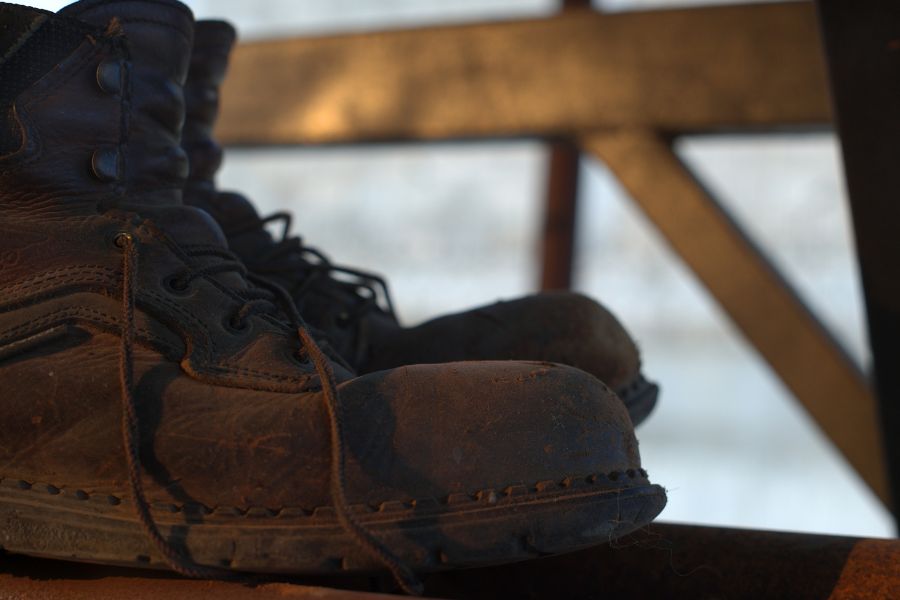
x=234 y=213
x=149 y=164
x=187 y=225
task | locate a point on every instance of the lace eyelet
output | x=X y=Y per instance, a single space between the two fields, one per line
x=342 y=319
x=235 y=325
x=176 y=285
x=300 y=357
x=109 y=76
x=121 y=239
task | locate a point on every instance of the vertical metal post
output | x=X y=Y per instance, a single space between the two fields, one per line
x=559 y=216
x=862 y=43
x=558 y=239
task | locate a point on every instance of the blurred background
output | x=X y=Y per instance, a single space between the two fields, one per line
x=455 y=225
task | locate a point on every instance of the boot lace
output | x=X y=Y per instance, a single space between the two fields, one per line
x=307 y=270
x=259 y=300
x=264 y=298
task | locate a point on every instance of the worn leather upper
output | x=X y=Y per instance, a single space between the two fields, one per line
x=562 y=327
x=60 y=210
x=227 y=416
x=417 y=432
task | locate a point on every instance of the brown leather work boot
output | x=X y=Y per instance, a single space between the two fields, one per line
x=561 y=327
x=159 y=410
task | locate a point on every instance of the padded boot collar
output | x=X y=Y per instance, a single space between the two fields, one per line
x=149 y=165
x=213 y=41
x=98 y=123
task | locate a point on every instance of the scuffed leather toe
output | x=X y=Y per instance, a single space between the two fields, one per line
x=560 y=327
x=432 y=430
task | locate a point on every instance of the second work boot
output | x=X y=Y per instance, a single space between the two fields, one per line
x=158 y=409
x=561 y=327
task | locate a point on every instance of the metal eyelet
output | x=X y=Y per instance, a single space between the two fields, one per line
x=234 y=325
x=109 y=76
x=105 y=164
x=342 y=319
x=176 y=285
x=301 y=357
x=122 y=239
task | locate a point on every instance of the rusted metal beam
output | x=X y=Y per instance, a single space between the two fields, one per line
x=756 y=66
x=560 y=207
x=560 y=204
x=862 y=40
x=659 y=561
x=808 y=360
x=681 y=561
x=46 y=587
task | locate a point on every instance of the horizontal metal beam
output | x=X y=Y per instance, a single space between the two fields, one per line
x=701 y=69
x=758 y=300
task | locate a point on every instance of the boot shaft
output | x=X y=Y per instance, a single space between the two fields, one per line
x=213 y=41
x=91 y=153
x=95 y=120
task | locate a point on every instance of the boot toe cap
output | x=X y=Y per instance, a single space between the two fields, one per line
x=561 y=327
x=570 y=328
x=433 y=430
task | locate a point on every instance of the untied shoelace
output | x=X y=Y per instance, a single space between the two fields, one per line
x=175 y=559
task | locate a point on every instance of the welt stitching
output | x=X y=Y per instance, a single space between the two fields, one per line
x=48 y=279
x=487 y=495
x=98 y=316
x=50 y=276
x=85 y=313
x=172 y=306
x=226 y=368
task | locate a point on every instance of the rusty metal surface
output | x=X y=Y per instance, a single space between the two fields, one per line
x=558 y=239
x=660 y=561
x=30 y=578
x=136 y=588
x=751 y=66
x=862 y=40
x=805 y=356
x=681 y=561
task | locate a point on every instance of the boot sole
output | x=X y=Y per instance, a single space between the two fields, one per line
x=463 y=530
x=639 y=397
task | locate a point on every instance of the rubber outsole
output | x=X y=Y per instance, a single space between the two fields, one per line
x=639 y=397
x=462 y=530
